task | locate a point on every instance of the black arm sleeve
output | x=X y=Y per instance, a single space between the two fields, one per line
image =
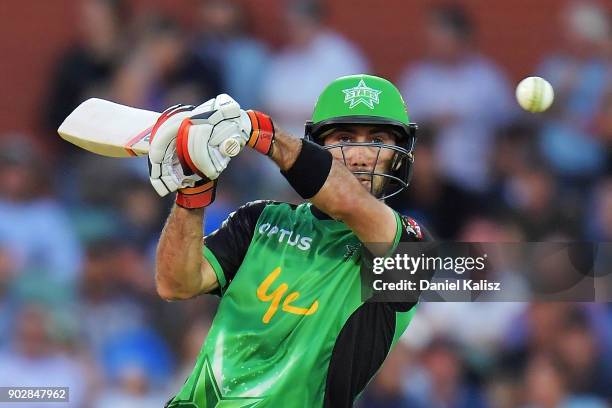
x=230 y=242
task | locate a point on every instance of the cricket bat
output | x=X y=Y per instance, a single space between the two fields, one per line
x=114 y=130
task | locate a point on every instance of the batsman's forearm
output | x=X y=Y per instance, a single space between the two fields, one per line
x=179 y=255
x=340 y=189
x=285 y=149
x=340 y=195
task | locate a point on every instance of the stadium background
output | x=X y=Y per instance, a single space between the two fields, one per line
x=77 y=232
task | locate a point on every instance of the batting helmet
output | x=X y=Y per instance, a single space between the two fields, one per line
x=367 y=100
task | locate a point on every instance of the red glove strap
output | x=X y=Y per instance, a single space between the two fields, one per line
x=198 y=196
x=262 y=132
x=182 y=149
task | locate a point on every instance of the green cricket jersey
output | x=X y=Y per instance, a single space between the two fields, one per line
x=291 y=329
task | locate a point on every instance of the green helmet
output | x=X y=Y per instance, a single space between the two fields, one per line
x=367 y=100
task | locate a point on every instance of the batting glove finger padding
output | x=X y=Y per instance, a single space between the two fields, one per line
x=164 y=169
x=207 y=140
x=196 y=153
x=222 y=108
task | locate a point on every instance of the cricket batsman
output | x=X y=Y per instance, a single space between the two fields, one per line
x=292 y=329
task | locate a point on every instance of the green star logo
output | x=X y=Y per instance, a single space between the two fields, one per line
x=206 y=394
x=361 y=94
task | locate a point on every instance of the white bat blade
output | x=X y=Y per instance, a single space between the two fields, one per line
x=109 y=129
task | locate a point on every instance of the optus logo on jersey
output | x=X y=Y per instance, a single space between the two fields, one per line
x=292 y=238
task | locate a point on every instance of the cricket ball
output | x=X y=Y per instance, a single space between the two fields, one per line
x=535 y=94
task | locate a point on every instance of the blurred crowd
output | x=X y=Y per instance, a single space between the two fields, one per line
x=78 y=306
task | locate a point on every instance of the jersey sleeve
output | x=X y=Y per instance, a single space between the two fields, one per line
x=411 y=231
x=226 y=247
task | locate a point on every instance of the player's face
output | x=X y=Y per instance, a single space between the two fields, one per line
x=364 y=158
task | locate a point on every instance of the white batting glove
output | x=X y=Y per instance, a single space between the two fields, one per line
x=207 y=141
x=165 y=172
x=190 y=144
